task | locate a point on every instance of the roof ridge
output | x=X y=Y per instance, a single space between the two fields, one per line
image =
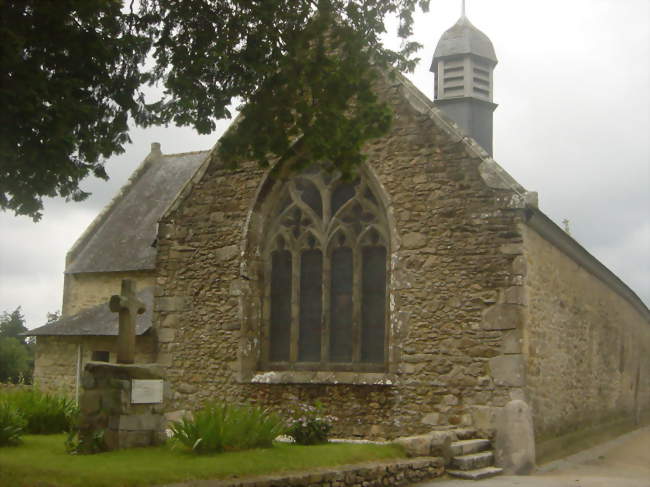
x=186 y=153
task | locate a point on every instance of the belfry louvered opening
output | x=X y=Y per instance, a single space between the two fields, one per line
x=326 y=259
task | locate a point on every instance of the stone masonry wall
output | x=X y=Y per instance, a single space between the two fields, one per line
x=83 y=291
x=587 y=348
x=451 y=265
x=370 y=474
x=56 y=358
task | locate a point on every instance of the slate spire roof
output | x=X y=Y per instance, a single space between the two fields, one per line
x=462 y=39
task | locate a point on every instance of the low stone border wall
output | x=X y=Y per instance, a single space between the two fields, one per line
x=373 y=474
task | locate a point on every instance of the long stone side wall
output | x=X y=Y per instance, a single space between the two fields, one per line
x=587 y=348
x=56 y=358
x=451 y=265
x=83 y=291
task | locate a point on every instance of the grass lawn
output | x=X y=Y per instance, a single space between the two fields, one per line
x=41 y=461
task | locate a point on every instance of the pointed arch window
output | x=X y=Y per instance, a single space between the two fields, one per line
x=326 y=260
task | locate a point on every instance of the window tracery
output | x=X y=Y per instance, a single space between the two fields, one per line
x=325 y=255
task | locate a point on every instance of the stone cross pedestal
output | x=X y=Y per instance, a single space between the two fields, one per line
x=127 y=305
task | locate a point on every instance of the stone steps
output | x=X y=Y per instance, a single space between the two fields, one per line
x=478 y=474
x=472 y=459
x=465 y=447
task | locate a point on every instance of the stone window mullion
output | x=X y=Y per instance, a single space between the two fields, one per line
x=295 y=306
x=266 y=311
x=325 y=331
x=356 y=302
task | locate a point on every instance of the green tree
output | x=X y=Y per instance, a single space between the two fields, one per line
x=13 y=324
x=74 y=70
x=16 y=351
x=16 y=363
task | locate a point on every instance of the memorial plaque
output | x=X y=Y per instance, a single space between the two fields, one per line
x=146 y=391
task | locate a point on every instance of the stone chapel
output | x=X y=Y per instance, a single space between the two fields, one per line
x=424 y=295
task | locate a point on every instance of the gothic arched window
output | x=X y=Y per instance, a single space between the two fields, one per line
x=326 y=260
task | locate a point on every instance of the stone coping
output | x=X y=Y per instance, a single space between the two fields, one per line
x=320 y=377
x=370 y=474
x=135 y=371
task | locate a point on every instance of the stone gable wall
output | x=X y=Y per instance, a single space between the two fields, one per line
x=584 y=345
x=451 y=264
x=86 y=290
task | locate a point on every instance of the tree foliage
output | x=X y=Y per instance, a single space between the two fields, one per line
x=16 y=355
x=74 y=73
x=13 y=324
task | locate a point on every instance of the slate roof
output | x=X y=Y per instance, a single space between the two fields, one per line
x=98 y=321
x=463 y=38
x=121 y=237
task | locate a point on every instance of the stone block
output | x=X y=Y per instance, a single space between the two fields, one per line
x=431 y=419
x=415 y=446
x=414 y=240
x=503 y=317
x=515 y=439
x=519 y=394
x=90 y=402
x=436 y=443
x=511 y=248
x=238 y=287
x=166 y=335
x=512 y=342
x=508 y=370
x=170 y=321
x=112 y=401
x=135 y=439
x=226 y=253
x=482 y=351
x=378 y=430
x=519 y=265
x=172 y=303
x=88 y=381
x=164 y=359
x=120 y=384
x=485 y=417
x=135 y=422
x=231 y=325
x=441 y=442
x=516 y=295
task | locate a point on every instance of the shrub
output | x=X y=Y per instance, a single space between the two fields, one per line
x=77 y=444
x=12 y=424
x=219 y=426
x=45 y=413
x=309 y=425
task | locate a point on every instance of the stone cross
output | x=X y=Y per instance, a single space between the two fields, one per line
x=127 y=305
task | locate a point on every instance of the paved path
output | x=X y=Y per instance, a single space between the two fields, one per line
x=623 y=462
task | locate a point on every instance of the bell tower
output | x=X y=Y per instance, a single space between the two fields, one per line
x=463 y=64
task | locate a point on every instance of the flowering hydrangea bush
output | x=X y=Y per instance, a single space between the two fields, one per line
x=309 y=425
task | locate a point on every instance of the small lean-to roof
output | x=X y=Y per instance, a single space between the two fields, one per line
x=98 y=321
x=463 y=38
x=121 y=237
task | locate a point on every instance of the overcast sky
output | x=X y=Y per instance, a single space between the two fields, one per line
x=572 y=123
